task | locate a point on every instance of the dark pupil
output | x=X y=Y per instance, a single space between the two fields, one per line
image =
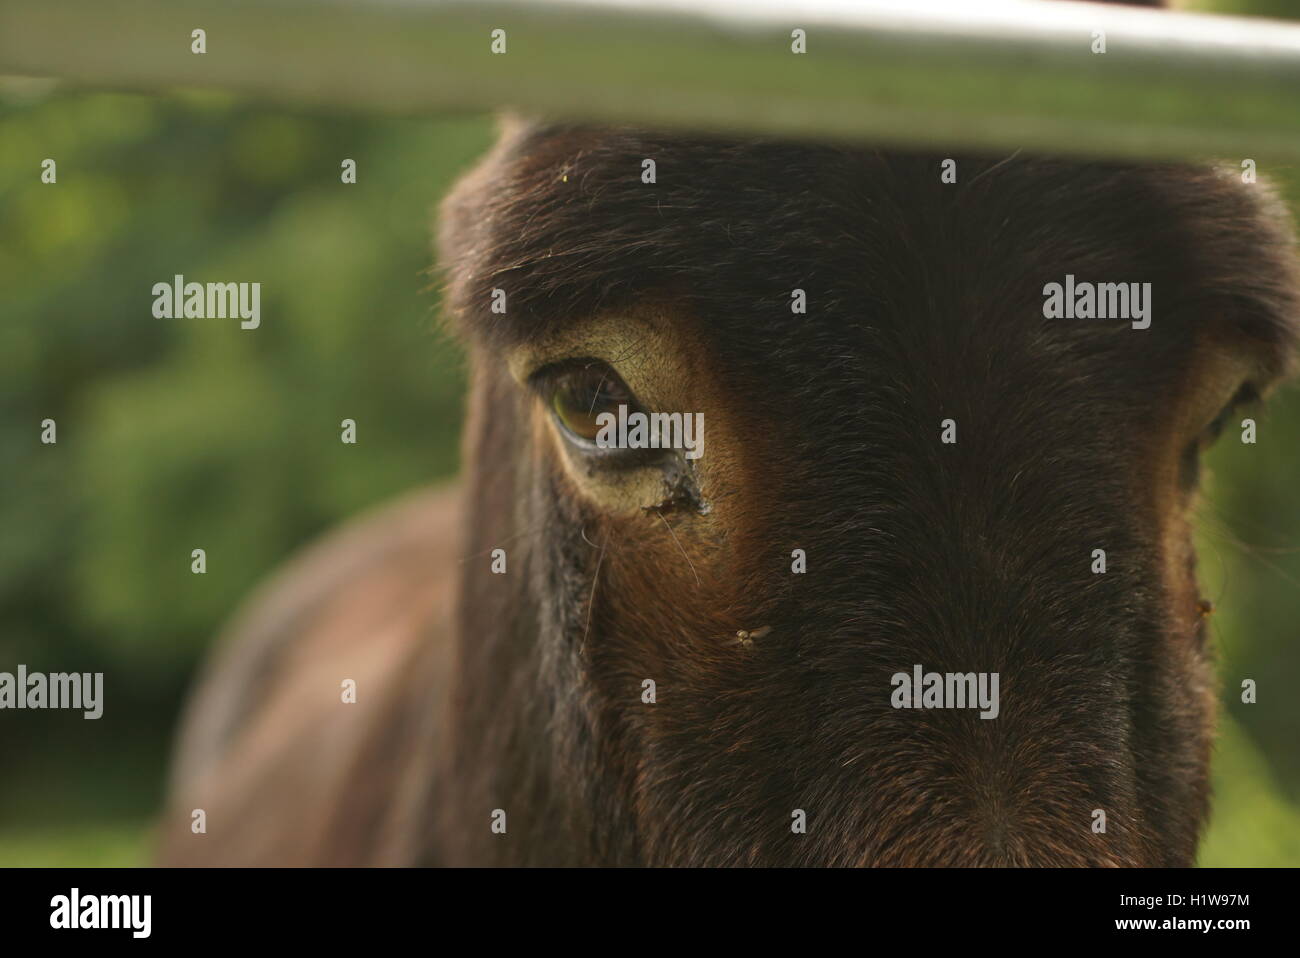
x=583 y=396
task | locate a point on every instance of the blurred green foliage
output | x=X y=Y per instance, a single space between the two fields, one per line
x=177 y=434
x=174 y=435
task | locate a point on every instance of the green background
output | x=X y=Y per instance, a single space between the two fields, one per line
x=174 y=435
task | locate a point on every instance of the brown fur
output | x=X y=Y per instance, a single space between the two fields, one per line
x=822 y=434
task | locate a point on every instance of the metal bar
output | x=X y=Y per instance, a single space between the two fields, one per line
x=993 y=76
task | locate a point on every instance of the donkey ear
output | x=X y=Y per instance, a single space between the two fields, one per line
x=462 y=221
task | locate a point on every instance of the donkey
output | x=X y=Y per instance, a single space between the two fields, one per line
x=592 y=654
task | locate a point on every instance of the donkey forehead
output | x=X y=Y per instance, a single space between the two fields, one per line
x=796 y=260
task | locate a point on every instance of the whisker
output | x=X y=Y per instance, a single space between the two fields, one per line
x=1002 y=162
x=1228 y=523
x=517 y=535
x=1223 y=566
x=679 y=546
x=595 y=395
x=591 y=599
x=1216 y=526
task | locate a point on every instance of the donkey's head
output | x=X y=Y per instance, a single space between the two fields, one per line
x=976 y=476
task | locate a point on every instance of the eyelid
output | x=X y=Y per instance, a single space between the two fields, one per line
x=548 y=376
x=1246 y=395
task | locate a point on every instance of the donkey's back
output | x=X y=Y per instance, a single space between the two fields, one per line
x=299 y=744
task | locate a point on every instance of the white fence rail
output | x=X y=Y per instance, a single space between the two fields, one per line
x=967 y=74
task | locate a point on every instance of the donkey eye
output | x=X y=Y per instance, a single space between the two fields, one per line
x=579 y=393
x=1215 y=428
x=1191 y=462
x=1244 y=396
